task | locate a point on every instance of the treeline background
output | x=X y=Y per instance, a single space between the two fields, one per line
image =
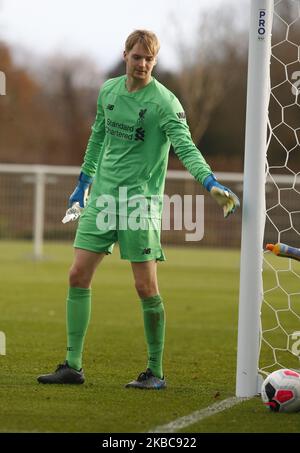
x=50 y=104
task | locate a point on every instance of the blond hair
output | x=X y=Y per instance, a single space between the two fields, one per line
x=145 y=37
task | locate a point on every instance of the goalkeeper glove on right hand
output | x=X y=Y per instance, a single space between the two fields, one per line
x=79 y=194
x=223 y=196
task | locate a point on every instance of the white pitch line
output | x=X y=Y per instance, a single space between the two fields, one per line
x=197 y=416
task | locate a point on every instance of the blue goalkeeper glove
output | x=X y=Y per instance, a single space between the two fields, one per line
x=223 y=196
x=80 y=193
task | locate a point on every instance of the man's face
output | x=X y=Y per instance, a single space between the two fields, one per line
x=139 y=62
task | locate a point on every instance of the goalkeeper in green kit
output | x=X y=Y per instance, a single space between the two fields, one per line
x=126 y=162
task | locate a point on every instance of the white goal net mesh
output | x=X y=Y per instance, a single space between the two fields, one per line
x=280 y=316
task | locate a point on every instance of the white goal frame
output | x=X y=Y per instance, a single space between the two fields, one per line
x=248 y=380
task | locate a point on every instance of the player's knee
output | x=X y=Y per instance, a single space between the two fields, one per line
x=78 y=277
x=145 y=289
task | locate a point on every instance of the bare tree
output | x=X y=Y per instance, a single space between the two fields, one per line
x=209 y=67
x=71 y=85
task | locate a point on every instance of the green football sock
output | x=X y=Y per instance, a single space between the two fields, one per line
x=154 y=324
x=78 y=317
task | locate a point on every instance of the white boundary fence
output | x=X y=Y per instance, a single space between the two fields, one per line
x=33 y=199
x=38 y=177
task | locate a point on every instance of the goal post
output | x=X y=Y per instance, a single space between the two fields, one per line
x=253 y=220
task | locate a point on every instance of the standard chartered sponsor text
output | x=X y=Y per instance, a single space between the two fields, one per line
x=119 y=129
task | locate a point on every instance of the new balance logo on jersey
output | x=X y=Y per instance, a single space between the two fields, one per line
x=140 y=134
x=110 y=107
x=181 y=115
x=142 y=113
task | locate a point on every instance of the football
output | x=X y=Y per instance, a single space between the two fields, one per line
x=281 y=391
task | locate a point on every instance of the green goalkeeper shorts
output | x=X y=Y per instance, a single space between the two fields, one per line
x=136 y=245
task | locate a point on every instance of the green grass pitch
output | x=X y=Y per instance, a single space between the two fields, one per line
x=200 y=291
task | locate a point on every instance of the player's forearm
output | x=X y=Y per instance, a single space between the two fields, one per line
x=92 y=156
x=180 y=137
x=193 y=161
x=94 y=146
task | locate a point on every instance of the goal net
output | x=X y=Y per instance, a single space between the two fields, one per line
x=280 y=314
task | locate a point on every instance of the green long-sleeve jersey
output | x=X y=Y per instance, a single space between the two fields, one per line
x=130 y=141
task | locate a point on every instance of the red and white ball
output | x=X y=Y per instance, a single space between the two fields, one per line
x=281 y=391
